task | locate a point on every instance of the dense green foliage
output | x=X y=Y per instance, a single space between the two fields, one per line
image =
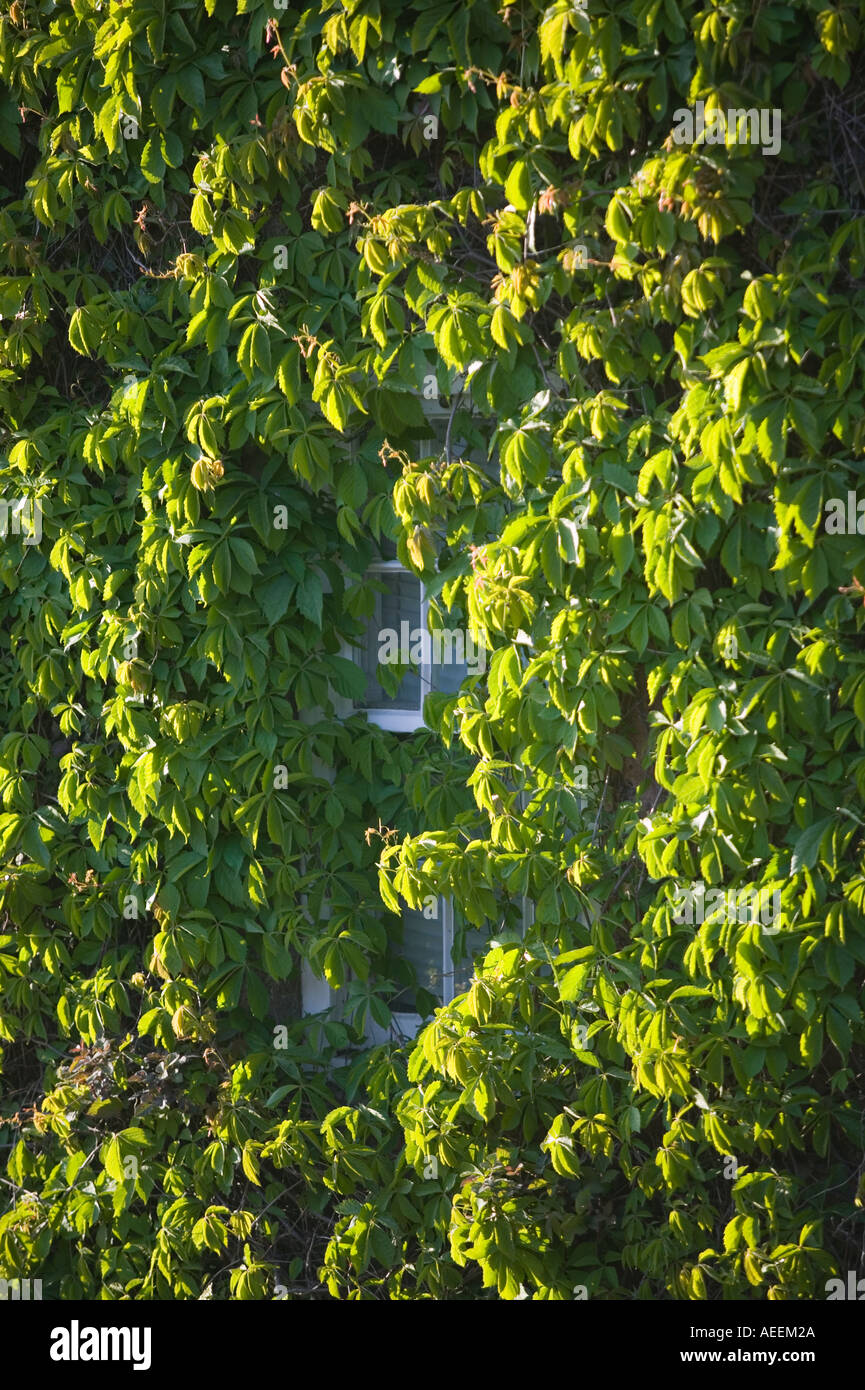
x=235 y=241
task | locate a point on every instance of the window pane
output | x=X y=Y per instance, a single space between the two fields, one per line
x=476 y=943
x=396 y=618
x=449 y=666
x=448 y=679
x=422 y=946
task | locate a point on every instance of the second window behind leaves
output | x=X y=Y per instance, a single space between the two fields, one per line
x=400 y=603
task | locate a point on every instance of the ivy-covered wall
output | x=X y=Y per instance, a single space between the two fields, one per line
x=242 y=246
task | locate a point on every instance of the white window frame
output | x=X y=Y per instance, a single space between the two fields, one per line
x=409 y=1021
x=406 y=1023
x=318 y=996
x=408 y=719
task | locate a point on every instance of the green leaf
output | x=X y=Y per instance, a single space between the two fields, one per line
x=310 y=597
x=518 y=187
x=807 y=845
x=152 y=161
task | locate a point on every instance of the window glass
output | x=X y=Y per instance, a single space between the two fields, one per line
x=422 y=946
x=396 y=619
x=424 y=941
x=449 y=665
x=468 y=943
